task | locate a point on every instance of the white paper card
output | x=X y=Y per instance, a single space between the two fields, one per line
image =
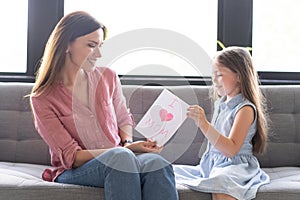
x=163 y=118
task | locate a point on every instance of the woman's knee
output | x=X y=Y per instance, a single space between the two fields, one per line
x=121 y=159
x=153 y=162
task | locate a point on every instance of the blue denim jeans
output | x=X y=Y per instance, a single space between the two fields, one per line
x=126 y=176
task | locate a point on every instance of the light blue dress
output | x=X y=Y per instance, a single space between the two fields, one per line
x=240 y=176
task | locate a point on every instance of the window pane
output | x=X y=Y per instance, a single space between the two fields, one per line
x=276 y=33
x=194 y=22
x=13 y=36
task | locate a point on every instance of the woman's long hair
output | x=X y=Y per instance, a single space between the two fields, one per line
x=70 y=27
x=239 y=60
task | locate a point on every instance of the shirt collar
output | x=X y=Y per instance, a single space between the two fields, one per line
x=234 y=101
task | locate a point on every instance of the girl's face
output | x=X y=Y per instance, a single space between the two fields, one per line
x=84 y=51
x=225 y=81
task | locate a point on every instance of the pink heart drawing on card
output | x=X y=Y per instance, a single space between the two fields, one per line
x=165 y=116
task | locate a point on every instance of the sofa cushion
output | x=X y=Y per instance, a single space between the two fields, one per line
x=284 y=138
x=23 y=181
x=285 y=184
x=19 y=141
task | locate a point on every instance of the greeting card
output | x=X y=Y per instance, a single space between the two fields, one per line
x=163 y=118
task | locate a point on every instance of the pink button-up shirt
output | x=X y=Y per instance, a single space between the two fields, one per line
x=67 y=125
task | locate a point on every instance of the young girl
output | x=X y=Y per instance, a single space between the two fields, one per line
x=228 y=168
x=80 y=112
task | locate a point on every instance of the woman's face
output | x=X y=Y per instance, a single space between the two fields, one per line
x=84 y=51
x=225 y=81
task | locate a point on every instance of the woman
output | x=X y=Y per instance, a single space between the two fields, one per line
x=80 y=112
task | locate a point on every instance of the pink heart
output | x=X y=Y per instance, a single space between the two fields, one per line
x=165 y=116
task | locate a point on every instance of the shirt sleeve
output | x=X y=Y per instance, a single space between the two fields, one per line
x=62 y=145
x=124 y=116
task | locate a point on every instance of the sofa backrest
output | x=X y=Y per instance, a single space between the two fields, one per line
x=284 y=137
x=20 y=142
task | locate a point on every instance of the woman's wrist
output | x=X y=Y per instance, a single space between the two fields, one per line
x=125 y=142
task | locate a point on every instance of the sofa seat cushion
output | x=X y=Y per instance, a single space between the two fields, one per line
x=23 y=181
x=285 y=184
x=22 y=170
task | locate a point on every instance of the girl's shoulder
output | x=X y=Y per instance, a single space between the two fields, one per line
x=246 y=102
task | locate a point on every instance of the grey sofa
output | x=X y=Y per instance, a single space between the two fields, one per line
x=24 y=155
